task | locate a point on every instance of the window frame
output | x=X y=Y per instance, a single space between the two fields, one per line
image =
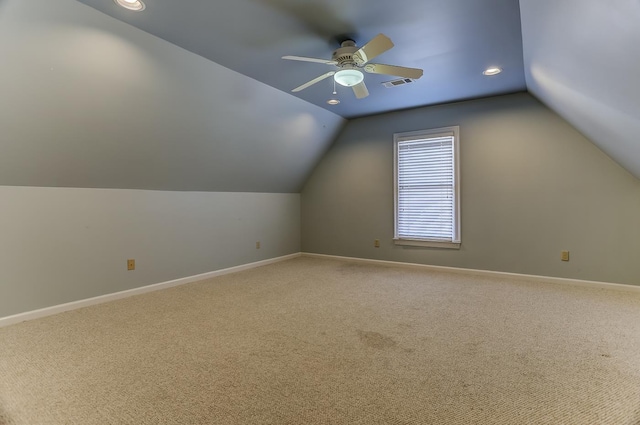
x=456 y=241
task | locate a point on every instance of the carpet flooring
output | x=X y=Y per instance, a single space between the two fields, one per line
x=319 y=341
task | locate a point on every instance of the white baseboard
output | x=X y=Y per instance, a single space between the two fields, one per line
x=48 y=311
x=475 y=272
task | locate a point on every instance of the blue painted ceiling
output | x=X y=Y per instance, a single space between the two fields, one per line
x=453 y=41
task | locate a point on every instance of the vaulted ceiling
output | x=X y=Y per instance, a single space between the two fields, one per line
x=194 y=95
x=581 y=57
x=89 y=101
x=453 y=41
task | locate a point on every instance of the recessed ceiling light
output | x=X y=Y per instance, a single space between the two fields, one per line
x=136 y=5
x=333 y=101
x=492 y=71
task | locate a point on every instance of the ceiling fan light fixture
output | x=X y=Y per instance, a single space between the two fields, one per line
x=348 y=77
x=333 y=101
x=494 y=70
x=135 y=5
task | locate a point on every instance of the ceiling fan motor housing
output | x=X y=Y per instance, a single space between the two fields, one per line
x=344 y=55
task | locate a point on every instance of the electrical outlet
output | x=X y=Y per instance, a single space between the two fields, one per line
x=564 y=255
x=376 y=243
x=258 y=245
x=131 y=264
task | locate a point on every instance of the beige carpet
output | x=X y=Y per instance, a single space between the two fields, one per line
x=314 y=341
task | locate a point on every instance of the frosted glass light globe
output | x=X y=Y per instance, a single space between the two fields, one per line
x=348 y=77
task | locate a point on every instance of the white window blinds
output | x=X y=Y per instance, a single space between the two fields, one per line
x=426 y=186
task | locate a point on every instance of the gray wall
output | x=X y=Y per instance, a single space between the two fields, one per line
x=90 y=102
x=60 y=244
x=531 y=187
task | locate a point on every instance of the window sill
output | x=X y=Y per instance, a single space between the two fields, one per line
x=427 y=244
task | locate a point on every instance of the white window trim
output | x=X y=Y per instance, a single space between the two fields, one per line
x=398 y=137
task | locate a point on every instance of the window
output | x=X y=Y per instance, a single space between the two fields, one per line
x=427 y=188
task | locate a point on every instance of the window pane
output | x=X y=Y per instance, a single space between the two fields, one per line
x=426 y=187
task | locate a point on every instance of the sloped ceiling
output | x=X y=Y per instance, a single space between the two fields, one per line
x=577 y=56
x=88 y=101
x=582 y=59
x=452 y=40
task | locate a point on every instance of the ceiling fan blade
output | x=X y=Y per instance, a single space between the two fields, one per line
x=400 y=71
x=378 y=45
x=312 y=82
x=305 y=59
x=360 y=90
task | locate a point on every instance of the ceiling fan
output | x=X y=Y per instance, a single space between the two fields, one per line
x=352 y=60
